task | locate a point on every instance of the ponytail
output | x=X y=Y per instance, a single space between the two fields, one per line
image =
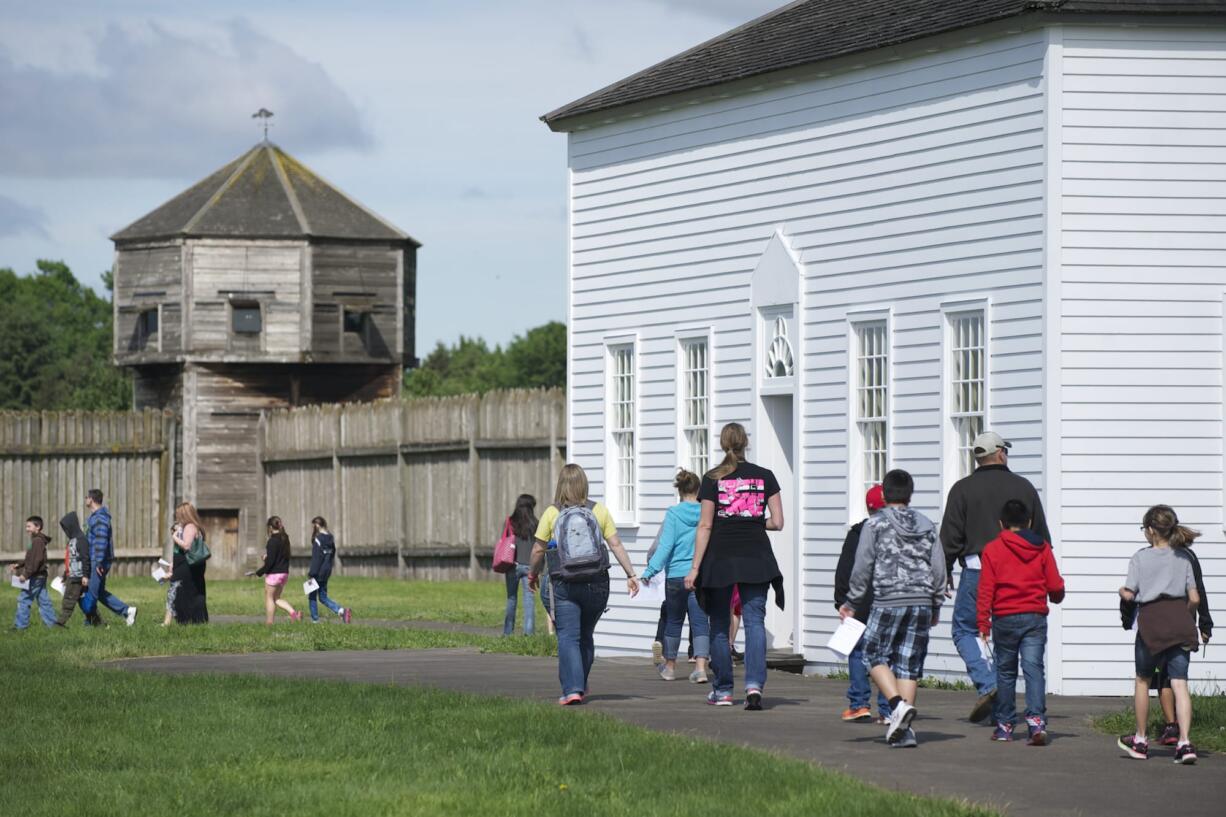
x=1164 y=522
x=733 y=440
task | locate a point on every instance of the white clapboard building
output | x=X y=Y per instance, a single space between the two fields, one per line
x=868 y=230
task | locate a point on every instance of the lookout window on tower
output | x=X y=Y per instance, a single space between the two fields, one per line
x=245 y=318
x=147 y=329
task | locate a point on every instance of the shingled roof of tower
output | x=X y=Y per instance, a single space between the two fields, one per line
x=810 y=31
x=265 y=193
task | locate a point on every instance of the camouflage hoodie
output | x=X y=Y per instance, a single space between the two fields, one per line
x=900 y=559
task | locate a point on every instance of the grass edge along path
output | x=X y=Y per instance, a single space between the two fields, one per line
x=148 y=744
x=1208 y=722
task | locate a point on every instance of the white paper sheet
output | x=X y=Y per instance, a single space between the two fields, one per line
x=19 y=583
x=651 y=592
x=164 y=563
x=310 y=586
x=985 y=652
x=160 y=574
x=57 y=584
x=845 y=638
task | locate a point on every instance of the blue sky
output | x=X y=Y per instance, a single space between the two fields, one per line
x=425 y=111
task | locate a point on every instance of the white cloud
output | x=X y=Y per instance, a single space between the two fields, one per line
x=734 y=11
x=17 y=218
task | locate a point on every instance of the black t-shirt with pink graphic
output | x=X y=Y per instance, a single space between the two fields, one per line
x=739 y=549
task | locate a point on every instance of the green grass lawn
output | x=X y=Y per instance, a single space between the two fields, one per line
x=80 y=736
x=473 y=603
x=1208 y=722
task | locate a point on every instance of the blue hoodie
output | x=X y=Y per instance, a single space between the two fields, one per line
x=676 y=546
x=101 y=545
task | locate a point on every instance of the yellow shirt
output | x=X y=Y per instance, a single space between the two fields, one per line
x=544 y=530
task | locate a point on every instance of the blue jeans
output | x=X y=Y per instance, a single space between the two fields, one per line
x=1024 y=636
x=515 y=578
x=321 y=595
x=753 y=622
x=965 y=628
x=37 y=593
x=97 y=593
x=577 y=608
x=860 y=690
x=678 y=603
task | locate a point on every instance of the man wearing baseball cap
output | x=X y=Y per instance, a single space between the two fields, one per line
x=972 y=519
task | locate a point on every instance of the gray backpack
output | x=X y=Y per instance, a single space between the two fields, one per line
x=582 y=554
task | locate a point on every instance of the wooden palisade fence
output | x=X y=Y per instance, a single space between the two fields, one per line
x=412 y=488
x=48 y=460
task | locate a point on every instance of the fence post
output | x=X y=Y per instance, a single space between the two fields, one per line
x=168 y=482
x=401 y=511
x=474 y=486
x=338 y=482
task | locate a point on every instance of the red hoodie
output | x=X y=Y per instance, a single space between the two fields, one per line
x=1018 y=576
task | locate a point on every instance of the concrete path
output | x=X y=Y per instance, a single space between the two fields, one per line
x=1080 y=773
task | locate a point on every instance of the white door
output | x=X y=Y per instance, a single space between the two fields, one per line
x=777 y=451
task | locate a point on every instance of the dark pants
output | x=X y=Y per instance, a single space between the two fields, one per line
x=72 y=595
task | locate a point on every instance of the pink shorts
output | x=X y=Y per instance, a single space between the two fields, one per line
x=276 y=579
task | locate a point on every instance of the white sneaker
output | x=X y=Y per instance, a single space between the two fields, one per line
x=131 y=616
x=900 y=721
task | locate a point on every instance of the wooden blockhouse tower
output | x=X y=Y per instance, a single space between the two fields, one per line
x=260 y=287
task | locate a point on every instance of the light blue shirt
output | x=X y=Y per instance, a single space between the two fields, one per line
x=674 y=554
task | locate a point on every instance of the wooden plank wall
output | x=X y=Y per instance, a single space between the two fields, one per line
x=424 y=485
x=48 y=460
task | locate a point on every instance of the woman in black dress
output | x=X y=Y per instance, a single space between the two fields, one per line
x=190 y=605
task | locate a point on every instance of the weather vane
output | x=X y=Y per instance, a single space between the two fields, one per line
x=263 y=114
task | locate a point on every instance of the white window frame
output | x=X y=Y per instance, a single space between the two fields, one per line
x=952 y=451
x=622 y=449
x=689 y=432
x=857 y=473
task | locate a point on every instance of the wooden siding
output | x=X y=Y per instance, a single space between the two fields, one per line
x=1143 y=259
x=901 y=185
x=145 y=278
x=362 y=277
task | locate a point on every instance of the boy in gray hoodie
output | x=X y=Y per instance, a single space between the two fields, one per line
x=900 y=560
x=76 y=569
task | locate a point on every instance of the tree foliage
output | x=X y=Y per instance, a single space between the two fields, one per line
x=536 y=359
x=55 y=344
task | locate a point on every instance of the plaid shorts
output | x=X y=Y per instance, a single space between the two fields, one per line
x=898 y=637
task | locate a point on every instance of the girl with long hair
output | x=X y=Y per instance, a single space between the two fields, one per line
x=186 y=596
x=323 y=556
x=523 y=525
x=275 y=571
x=740 y=502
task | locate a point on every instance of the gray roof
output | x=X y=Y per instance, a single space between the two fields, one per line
x=265 y=193
x=810 y=31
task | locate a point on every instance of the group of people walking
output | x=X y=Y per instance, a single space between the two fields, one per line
x=894 y=575
x=274 y=570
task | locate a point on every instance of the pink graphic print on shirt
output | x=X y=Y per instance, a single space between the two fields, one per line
x=745 y=498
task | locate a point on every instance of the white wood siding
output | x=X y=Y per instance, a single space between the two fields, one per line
x=1143 y=249
x=902 y=185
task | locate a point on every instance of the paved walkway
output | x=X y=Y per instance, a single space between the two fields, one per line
x=1080 y=773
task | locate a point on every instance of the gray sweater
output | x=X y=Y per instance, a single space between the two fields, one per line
x=900 y=559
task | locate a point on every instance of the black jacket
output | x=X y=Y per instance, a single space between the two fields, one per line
x=842 y=574
x=1204 y=621
x=76 y=554
x=276 y=556
x=972 y=511
x=323 y=554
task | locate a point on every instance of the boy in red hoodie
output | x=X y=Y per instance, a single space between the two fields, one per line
x=1019 y=576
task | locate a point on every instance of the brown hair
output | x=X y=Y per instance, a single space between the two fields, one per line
x=278 y=529
x=687 y=483
x=572 y=487
x=185 y=514
x=320 y=523
x=733 y=440
x=1164 y=522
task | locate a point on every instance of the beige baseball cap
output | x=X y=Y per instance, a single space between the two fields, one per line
x=989 y=442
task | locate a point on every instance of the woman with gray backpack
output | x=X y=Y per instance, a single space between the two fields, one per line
x=575 y=536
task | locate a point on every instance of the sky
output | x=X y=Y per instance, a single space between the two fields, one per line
x=425 y=111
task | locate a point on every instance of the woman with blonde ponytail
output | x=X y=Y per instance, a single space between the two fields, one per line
x=740 y=502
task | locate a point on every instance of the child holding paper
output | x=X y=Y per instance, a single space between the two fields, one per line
x=323 y=555
x=33 y=571
x=1019 y=575
x=77 y=567
x=900 y=560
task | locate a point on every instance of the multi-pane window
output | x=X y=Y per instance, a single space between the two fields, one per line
x=621 y=425
x=872 y=401
x=967 y=398
x=695 y=405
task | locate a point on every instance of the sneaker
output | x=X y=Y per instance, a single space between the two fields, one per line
x=1170 y=735
x=753 y=700
x=738 y=657
x=573 y=699
x=900 y=721
x=691 y=660
x=295 y=616
x=657 y=653
x=1185 y=754
x=347 y=615
x=983 y=706
x=1003 y=732
x=316 y=621
x=1137 y=748
x=131 y=616
x=907 y=741
x=1036 y=729
x=698 y=677
x=667 y=672
x=857 y=713
x=719 y=698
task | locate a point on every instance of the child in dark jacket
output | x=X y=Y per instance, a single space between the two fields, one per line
x=858 y=688
x=33 y=570
x=1018 y=577
x=323 y=555
x=275 y=571
x=77 y=568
